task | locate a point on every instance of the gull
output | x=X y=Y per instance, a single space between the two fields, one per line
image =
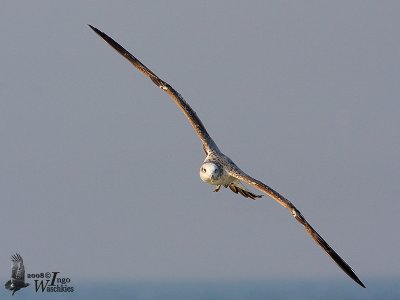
x=218 y=169
x=17 y=280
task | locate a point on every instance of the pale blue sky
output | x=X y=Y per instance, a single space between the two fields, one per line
x=99 y=169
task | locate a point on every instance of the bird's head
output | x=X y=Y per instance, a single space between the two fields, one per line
x=211 y=172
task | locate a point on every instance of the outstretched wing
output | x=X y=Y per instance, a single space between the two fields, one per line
x=18 y=269
x=239 y=174
x=194 y=120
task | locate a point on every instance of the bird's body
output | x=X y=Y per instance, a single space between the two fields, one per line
x=218 y=169
x=17 y=280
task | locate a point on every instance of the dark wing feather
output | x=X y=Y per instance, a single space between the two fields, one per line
x=237 y=173
x=194 y=120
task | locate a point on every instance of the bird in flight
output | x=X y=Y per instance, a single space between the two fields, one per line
x=218 y=169
x=17 y=280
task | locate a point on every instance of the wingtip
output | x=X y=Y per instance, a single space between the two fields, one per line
x=353 y=275
x=93 y=28
x=357 y=280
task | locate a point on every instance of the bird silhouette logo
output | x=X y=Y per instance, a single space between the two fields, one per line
x=17 y=280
